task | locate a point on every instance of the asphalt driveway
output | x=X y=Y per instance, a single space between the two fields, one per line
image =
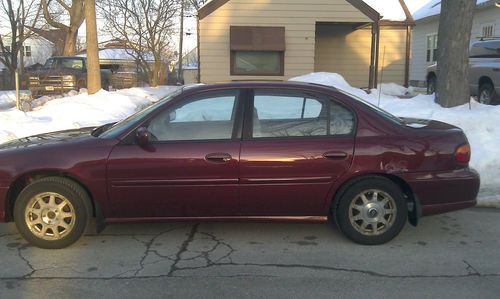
x=456 y=255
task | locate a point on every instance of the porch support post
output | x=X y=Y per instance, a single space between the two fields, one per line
x=377 y=50
x=372 y=81
x=407 y=58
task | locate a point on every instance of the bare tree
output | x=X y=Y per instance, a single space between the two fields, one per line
x=93 y=69
x=56 y=11
x=145 y=26
x=455 y=24
x=20 y=15
x=196 y=4
x=188 y=6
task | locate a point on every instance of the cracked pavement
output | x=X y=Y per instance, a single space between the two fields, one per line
x=453 y=255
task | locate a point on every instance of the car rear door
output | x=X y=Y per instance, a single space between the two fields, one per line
x=295 y=145
x=191 y=167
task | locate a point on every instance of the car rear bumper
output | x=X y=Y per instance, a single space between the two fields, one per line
x=441 y=192
x=3 y=195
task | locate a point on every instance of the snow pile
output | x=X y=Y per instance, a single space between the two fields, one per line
x=78 y=111
x=478 y=123
x=118 y=54
x=393 y=89
x=8 y=98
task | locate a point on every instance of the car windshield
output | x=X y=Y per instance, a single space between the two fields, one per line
x=49 y=64
x=72 y=63
x=122 y=126
x=375 y=108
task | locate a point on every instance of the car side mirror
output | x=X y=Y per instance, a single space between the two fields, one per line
x=142 y=136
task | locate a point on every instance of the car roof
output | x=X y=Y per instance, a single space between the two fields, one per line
x=260 y=84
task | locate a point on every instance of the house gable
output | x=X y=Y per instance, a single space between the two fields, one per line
x=213 y=5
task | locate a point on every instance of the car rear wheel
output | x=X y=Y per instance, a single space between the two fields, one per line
x=372 y=211
x=52 y=212
x=487 y=94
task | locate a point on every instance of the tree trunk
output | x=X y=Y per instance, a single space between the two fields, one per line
x=93 y=69
x=155 y=78
x=455 y=24
x=70 y=42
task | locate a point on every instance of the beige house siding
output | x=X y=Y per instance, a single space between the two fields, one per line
x=344 y=50
x=299 y=18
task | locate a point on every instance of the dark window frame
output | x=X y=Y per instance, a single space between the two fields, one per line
x=257 y=39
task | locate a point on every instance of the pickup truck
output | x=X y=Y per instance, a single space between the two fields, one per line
x=484 y=72
x=61 y=74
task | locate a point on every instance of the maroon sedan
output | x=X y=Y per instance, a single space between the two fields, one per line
x=290 y=151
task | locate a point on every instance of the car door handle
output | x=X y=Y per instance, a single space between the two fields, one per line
x=218 y=157
x=335 y=155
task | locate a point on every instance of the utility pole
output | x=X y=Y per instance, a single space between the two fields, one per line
x=93 y=69
x=180 y=79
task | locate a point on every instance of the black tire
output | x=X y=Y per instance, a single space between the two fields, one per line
x=386 y=190
x=79 y=206
x=431 y=84
x=487 y=94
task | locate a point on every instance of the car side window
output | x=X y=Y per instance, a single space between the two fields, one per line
x=288 y=114
x=341 y=119
x=206 y=117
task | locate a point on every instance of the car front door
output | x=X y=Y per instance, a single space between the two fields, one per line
x=190 y=166
x=295 y=145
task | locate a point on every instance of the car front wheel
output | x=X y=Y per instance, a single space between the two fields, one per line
x=52 y=212
x=372 y=211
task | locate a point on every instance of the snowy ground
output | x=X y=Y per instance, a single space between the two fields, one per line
x=82 y=110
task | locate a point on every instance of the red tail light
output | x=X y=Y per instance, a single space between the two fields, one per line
x=462 y=153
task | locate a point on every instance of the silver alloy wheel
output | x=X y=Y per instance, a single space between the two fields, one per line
x=50 y=216
x=485 y=97
x=372 y=212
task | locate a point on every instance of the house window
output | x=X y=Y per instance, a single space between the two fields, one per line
x=27 y=51
x=432 y=40
x=257 y=51
x=488 y=30
x=257 y=62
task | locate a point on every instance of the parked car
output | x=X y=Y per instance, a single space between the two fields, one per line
x=484 y=72
x=272 y=150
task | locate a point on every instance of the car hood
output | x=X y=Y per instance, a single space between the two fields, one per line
x=67 y=136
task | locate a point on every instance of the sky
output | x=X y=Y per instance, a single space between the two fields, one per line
x=414 y=5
